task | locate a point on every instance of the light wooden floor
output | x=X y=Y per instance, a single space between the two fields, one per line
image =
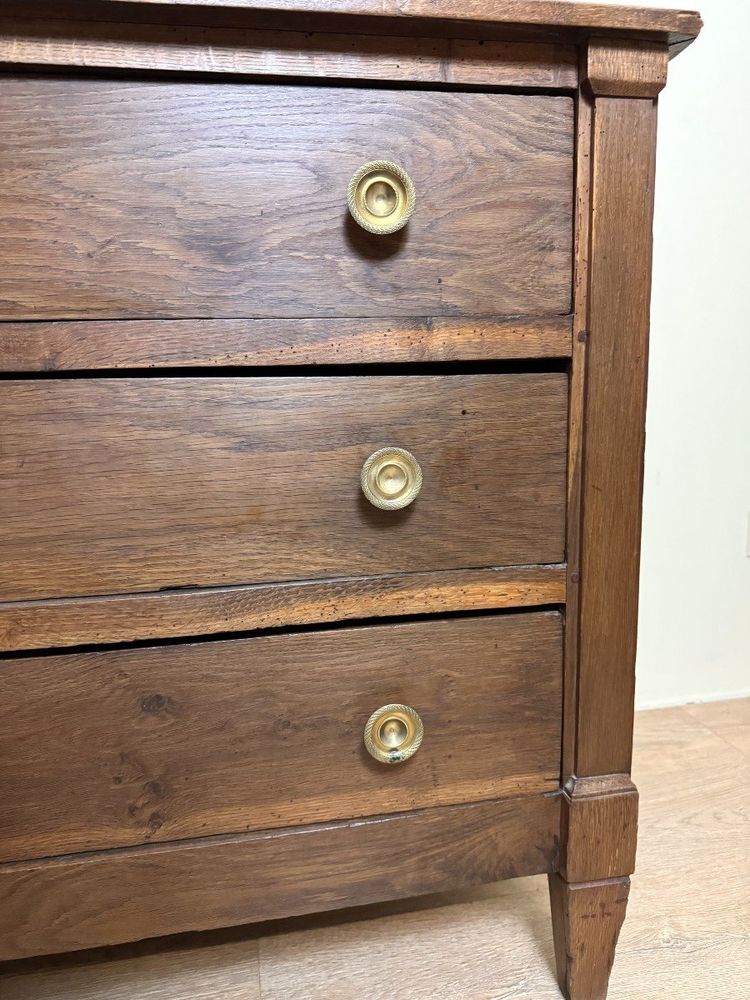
x=687 y=934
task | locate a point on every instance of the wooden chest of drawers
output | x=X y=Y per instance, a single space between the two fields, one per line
x=324 y=330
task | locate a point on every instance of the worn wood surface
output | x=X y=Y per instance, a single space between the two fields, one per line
x=124 y=895
x=162 y=199
x=548 y=13
x=338 y=18
x=576 y=418
x=119 y=485
x=599 y=828
x=70 y=345
x=615 y=178
x=586 y=921
x=171 y=614
x=620 y=284
x=368 y=952
x=172 y=782
x=618 y=67
x=116 y=748
x=204 y=49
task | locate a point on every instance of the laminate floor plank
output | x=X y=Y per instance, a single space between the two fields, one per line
x=728 y=719
x=221 y=965
x=687 y=934
x=686 y=937
x=490 y=944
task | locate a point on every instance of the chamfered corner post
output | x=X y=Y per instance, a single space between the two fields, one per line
x=620 y=83
x=589 y=893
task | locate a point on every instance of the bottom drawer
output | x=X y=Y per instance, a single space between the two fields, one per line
x=119 y=748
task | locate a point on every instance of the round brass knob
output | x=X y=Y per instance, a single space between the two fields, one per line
x=393 y=734
x=391 y=478
x=381 y=197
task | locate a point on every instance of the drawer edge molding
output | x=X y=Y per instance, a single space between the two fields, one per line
x=111 y=897
x=27 y=625
x=78 y=345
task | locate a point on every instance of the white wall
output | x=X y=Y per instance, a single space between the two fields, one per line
x=694 y=639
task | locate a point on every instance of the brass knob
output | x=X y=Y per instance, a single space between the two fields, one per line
x=393 y=734
x=381 y=197
x=391 y=478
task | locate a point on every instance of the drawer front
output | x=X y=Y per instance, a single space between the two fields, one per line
x=125 y=485
x=124 y=747
x=155 y=199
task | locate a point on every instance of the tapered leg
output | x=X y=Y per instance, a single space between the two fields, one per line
x=586 y=922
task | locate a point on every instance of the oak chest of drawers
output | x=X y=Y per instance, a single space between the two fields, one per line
x=324 y=331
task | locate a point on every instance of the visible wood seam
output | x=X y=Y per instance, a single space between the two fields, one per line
x=597 y=883
x=268 y=833
x=584 y=291
x=242 y=588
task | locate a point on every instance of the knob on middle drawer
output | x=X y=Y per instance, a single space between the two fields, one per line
x=381 y=197
x=391 y=478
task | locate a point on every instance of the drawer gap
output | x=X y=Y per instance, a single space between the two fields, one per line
x=280 y=631
x=523 y=366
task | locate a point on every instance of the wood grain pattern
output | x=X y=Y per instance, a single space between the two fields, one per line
x=586 y=920
x=109 y=749
x=617 y=67
x=339 y=19
x=145 y=201
x=615 y=202
x=599 y=828
x=171 y=614
x=120 y=485
x=121 y=206
x=623 y=189
x=199 y=49
x=70 y=345
x=576 y=419
x=369 y=952
x=141 y=892
x=551 y=13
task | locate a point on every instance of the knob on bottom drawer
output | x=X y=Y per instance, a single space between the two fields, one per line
x=393 y=734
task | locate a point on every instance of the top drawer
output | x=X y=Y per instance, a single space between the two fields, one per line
x=151 y=199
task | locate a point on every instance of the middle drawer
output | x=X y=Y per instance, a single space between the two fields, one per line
x=117 y=485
